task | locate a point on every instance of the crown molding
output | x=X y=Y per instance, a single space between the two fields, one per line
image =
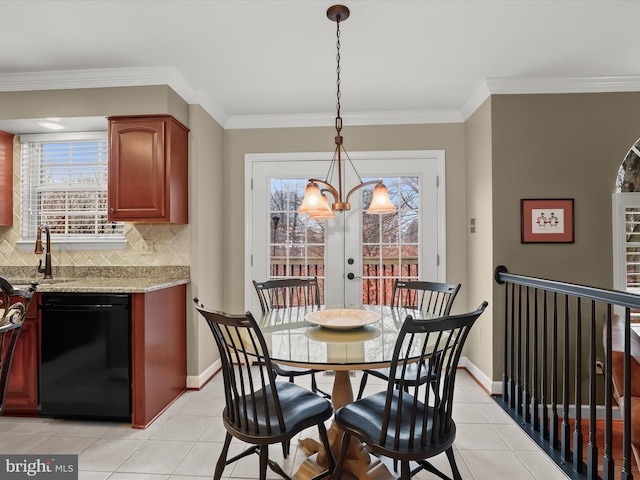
x=512 y=86
x=204 y=99
x=532 y=86
x=111 y=77
x=476 y=99
x=141 y=76
x=95 y=78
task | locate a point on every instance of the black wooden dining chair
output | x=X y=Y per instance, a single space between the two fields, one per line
x=413 y=423
x=430 y=297
x=258 y=410
x=286 y=293
x=14 y=304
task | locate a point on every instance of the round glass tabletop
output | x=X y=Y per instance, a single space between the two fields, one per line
x=293 y=340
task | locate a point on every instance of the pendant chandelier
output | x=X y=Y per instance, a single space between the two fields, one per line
x=316 y=202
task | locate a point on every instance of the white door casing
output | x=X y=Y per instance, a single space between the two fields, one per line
x=343 y=233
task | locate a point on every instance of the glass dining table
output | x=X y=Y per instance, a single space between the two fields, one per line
x=295 y=340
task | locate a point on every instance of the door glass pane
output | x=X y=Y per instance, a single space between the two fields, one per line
x=297 y=243
x=390 y=241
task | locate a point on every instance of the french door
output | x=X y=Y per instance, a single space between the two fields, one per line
x=356 y=256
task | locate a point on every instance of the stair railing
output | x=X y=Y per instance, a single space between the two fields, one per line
x=553 y=339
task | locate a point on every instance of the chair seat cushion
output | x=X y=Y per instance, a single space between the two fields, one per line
x=301 y=409
x=363 y=419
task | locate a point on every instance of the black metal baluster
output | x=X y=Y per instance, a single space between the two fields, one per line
x=534 y=370
x=519 y=355
x=505 y=352
x=608 y=464
x=512 y=385
x=543 y=409
x=592 y=447
x=577 y=430
x=565 y=442
x=626 y=473
x=554 y=433
x=526 y=392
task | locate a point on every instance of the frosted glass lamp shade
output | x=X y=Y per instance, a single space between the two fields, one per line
x=326 y=212
x=380 y=202
x=312 y=201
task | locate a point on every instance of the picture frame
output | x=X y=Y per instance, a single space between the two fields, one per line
x=547 y=220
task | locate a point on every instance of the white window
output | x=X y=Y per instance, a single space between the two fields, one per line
x=626 y=244
x=64 y=184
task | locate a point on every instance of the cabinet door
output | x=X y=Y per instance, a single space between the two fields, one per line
x=22 y=389
x=137 y=169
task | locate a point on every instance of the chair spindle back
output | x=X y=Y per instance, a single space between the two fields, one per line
x=436 y=345
x=430 y=297
x=288 y=292
x=252 y=406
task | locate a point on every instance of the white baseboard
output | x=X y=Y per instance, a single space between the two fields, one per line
x=195 y=382
x=494 y=388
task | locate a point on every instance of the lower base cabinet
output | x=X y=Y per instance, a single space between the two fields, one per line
x=159 y=352
x=158 y=356
x=22 y=388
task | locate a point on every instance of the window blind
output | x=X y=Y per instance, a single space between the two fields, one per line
x=64 y=180
x=632 y=252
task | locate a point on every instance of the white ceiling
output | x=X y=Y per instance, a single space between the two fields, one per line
x=253 y=61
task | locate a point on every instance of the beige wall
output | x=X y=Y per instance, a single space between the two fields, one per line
x=479 y=205
x=90 y=102
x=448 y=137
x=207 y=217
x=558 y=146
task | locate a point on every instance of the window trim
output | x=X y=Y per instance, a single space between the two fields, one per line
x=67 y=243
x=620 y=201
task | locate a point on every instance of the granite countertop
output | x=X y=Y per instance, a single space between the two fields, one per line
x=99 y=279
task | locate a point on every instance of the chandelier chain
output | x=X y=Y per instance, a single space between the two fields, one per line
x=338 y=93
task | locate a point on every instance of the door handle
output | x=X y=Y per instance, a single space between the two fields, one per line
x=351 y=276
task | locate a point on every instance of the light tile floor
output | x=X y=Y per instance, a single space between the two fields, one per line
x=185 y=441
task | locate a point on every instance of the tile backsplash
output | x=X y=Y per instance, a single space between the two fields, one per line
x=171 y=243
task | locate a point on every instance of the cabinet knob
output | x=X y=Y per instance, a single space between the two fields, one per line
x=112 y=210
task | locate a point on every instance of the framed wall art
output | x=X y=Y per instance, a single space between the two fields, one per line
x=547 y=220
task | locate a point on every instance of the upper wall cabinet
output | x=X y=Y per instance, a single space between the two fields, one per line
x=6 y=179
x=148 y=169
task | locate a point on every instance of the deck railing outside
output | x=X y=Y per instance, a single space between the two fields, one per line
x=553 y=338
x=377 y=276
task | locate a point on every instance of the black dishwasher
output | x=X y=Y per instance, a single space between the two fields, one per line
x=85 y=369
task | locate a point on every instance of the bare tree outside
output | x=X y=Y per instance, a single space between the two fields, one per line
x=72 y=190
x=390 y=242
